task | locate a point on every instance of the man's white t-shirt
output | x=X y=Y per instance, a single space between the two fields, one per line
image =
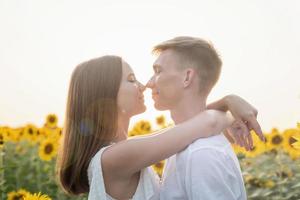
x=207 y=169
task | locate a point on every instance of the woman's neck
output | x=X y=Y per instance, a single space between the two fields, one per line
x=122 y=129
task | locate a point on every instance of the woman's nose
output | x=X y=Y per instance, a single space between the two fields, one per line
x=150 y=83
x=142 y=87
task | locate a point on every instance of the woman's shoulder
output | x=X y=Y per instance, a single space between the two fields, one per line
x=95 y=177
x=104 y=156
x=95 y=162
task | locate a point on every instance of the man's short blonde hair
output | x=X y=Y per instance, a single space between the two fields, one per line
x=198 y=54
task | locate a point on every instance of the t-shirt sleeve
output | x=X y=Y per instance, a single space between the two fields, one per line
x=210 y=176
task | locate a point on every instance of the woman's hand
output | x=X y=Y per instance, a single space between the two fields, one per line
x=244 y=114
x=238 y=133
x=245 y=119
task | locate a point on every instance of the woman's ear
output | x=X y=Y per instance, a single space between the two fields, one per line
x=189 y=75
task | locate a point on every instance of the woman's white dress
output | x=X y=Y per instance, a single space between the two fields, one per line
x=147 y=189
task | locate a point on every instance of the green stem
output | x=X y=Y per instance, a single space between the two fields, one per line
x=281 y=166
x=38 y=172
x=2 y=171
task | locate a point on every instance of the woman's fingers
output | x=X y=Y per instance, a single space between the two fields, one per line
x=250 y=141
x=242 y=134
x=239 y=133
x=253 y=124
x=229 y=136
x=246 y=135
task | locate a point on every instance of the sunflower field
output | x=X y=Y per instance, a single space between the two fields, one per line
x=271 y=170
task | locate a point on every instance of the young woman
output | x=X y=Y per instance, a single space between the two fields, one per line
x=95 y=155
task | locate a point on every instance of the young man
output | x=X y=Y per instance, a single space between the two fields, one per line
x=186 y=70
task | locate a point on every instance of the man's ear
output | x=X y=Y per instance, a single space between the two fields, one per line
x=189 y=75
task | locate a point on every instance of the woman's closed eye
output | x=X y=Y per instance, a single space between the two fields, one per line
x=131 y=78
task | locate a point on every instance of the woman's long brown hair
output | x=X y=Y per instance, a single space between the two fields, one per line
x=90 y=120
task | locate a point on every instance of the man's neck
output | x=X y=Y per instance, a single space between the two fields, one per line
x=188 y=108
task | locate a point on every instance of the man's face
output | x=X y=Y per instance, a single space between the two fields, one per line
x=167 y=81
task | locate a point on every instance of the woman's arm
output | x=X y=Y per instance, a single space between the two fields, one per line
x=245 y=115
x=241 y=110
x=130 y=156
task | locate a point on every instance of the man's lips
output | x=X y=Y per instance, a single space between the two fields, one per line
x=154 y=96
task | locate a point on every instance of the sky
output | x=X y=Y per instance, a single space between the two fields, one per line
x=41 y=42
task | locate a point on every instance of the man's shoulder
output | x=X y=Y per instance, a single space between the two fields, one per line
x=216 y=142
x=214 y=145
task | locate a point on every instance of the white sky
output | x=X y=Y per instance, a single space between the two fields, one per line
x=41 y=42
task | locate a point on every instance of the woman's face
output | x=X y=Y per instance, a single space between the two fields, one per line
x=130 y=96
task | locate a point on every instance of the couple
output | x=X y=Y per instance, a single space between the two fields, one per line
x=96 y=157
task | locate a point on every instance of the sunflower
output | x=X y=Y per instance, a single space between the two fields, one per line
x=140 y=128
x=297 y=138
x=134 y=131
x=258 y=146
x=54 y=133
x=247 y=177
x=257 y=149
x=289 y=136
x=4 y=135
x=19 y=134
x=158 y=167
x=131 y=133
x=297 y=144
x=1 y=140
x=255 y=181
x=145 y=127
x=14 y=134
x=31 y=133
x=285 y=173
x=161 y=121
x=274 y=139
x=36 y=196
x=48 y=149
x=19 y=195
x=44 y=133
x=238 y=150
x=268 y=184
x=51 y=121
